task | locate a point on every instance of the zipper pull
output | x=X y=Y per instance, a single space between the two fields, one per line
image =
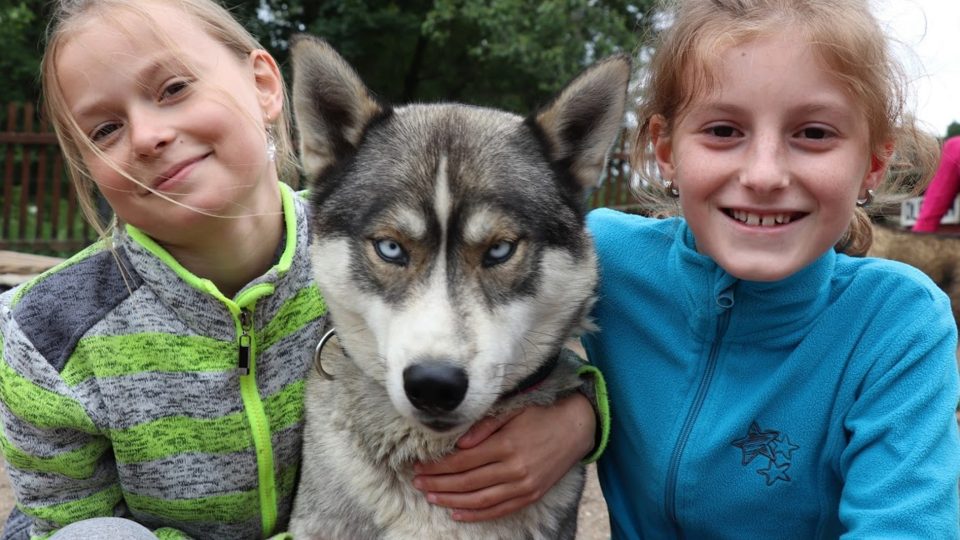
x=243 y=360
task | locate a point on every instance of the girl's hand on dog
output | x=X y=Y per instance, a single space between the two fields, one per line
x=504 y=464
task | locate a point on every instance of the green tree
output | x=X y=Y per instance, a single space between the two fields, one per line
x=953 y=129
x=21 y=30
x=508 y=53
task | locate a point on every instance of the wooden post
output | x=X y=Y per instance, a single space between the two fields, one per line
x=8 y=172
x=25 y=172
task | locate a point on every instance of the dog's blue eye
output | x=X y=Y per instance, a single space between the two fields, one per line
x=391 y=251
x=499 y=253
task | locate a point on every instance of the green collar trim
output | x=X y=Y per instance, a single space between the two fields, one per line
x=207 y=286
x=290 y=222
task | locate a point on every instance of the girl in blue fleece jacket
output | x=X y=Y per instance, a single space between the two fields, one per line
x=762 y=383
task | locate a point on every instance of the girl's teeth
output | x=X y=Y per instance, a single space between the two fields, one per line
x=766 y=220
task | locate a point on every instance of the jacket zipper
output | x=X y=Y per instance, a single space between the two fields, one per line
x=674 y=469
x=259 y=425
x=246 y=324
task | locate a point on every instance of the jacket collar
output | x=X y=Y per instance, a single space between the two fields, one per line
x=196 y=299
x=777 y=311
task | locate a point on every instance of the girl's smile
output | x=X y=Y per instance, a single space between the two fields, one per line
x=169 y=179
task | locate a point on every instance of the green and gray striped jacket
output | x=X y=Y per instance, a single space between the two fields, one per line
x=131 y=387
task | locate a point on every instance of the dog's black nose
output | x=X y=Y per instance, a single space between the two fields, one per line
x=435 y=387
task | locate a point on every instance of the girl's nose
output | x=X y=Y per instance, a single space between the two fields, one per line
x=765 y=167
x=149 y=134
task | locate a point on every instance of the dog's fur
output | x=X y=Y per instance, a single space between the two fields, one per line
x=451 y=251
x=937 y=255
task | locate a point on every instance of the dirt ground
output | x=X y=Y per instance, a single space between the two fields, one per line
x=6 y=496
x=592 y=522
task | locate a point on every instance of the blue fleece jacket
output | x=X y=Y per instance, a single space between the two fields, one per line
x=818 y=406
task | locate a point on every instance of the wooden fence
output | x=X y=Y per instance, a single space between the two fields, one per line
x=40 y=213
x=614 y=190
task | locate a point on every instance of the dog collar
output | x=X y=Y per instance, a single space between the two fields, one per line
x=532 y=381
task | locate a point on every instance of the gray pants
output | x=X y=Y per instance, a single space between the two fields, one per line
x=104 y=528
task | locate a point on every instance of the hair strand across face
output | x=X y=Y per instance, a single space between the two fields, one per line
x=69 y=16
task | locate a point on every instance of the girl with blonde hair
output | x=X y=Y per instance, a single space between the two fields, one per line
x=157 y=376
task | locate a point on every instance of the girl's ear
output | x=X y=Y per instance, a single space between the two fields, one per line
x=878 y=167
x=269 y=83
x=662 y=147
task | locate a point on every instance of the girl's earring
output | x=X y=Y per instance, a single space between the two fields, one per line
x=864 y=202
x=271 y=145
x=671 y=188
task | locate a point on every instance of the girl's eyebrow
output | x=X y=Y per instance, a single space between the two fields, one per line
x=158 y=64
x=831 y=107
x=718 y=107
x=815 y=105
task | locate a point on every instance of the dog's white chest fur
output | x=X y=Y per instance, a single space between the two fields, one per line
x=357 y=470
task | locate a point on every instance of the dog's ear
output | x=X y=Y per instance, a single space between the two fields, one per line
x=331 y=105
x=582 y=122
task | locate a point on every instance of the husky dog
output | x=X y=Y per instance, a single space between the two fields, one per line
x=451 y=251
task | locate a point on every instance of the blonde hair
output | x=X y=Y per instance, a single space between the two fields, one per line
x=68 y=15
x=851 y=44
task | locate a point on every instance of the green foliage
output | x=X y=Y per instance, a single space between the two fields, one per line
x=953 y=129
x=21 y=30
x=508 y=53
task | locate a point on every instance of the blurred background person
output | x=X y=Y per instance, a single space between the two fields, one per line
x=938 y=198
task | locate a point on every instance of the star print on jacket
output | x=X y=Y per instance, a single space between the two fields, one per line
x=773 y=446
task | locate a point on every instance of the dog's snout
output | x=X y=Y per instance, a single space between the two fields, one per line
x=435 y=387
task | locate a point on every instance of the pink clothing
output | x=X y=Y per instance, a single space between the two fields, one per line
x=942 y=189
